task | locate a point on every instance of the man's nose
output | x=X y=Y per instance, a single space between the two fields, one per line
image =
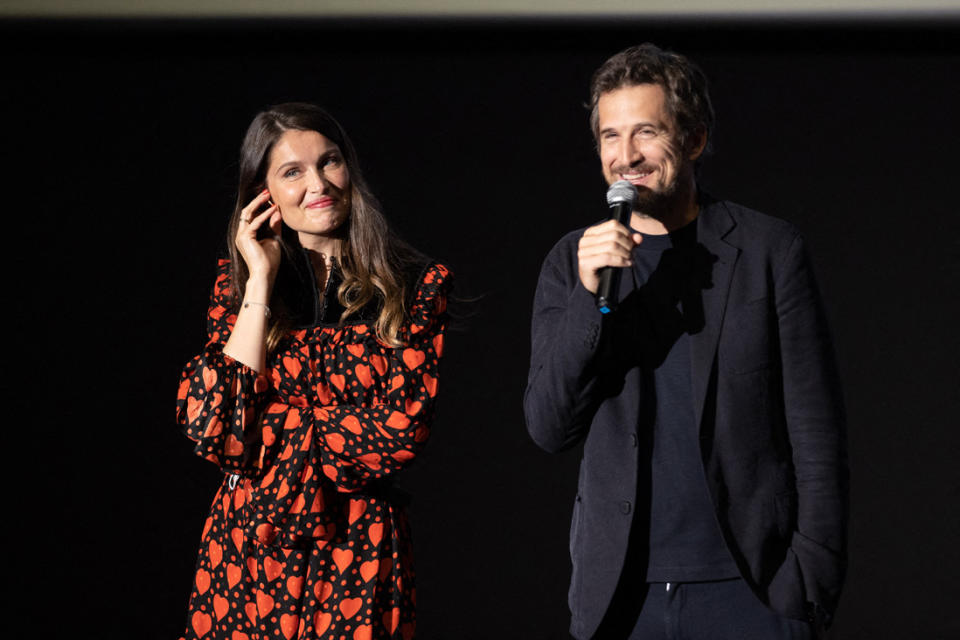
x=630 y=153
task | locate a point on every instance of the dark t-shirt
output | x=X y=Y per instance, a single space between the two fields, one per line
x=685 y=543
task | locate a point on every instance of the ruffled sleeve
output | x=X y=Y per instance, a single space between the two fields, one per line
x=363 y=444
x=219 y=398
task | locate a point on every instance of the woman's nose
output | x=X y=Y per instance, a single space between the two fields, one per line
x=316 y=182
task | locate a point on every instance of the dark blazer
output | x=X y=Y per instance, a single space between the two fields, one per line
x=766 y=398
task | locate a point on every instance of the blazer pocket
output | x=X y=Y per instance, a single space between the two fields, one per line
x=575 y=525
x=577 y=515
x=745 y=340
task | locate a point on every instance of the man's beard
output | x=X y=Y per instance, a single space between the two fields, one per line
x=658 y=204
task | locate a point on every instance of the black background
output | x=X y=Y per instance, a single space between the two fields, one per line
x=120 y=149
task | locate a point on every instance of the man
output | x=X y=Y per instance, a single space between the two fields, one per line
x=712 y=493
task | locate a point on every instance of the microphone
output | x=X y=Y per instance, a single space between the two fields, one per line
x=621 y=197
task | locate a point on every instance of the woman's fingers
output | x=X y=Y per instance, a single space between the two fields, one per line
x=256 y=222
x=262 y=256
x=248 y=212
x=275 y=221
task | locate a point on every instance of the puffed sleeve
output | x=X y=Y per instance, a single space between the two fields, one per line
x=220 y=398
x=362 y=444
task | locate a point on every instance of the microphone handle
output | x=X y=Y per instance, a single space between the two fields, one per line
x=610 y=276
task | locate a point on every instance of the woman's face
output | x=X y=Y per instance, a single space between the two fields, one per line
x=307 y=177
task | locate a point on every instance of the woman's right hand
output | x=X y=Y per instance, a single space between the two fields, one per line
x=261 y=256
x=247 y=342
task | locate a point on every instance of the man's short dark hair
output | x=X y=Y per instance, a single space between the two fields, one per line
x=683 y=83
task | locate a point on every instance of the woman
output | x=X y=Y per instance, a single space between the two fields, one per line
x=317 y=383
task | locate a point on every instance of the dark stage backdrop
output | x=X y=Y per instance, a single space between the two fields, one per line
x=120 y=146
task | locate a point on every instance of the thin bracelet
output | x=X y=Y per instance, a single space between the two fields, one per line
x=266 y=309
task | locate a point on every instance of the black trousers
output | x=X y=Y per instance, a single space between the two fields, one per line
x=723 y=610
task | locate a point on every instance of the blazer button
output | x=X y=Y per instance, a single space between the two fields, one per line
x=625 y=507
x=633 y=440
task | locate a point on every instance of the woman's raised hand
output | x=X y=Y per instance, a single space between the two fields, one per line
x=247 y=342
x=262 y=256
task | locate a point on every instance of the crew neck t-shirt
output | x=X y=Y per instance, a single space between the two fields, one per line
x=685 y=542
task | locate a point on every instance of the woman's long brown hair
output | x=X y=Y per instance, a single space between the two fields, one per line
x=372 y=259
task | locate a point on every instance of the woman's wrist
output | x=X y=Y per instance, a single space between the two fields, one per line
x=258 y=289
x=258 y=305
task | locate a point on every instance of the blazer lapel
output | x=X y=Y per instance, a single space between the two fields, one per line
x=713 y=223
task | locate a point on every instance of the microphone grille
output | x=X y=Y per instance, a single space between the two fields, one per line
x=621 y=191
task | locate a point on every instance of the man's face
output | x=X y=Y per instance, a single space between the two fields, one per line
x=638 y=142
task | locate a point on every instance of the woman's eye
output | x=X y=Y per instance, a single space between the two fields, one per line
x=331 y=161
x=292 y=172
